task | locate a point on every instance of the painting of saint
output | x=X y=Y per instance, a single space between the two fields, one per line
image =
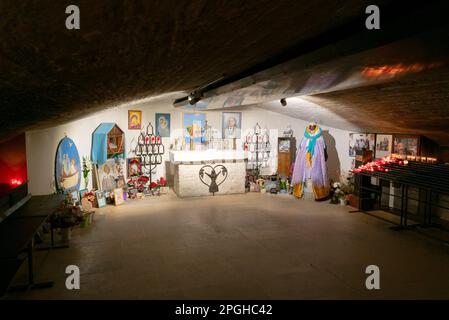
x=134 y=167
x=359 y=141
x=232 y=125
x=383 y=145
x=67 y=166
x=406 y=145
x=134 y=119
x=163 y=124
x=193 y=124
x=107 y=175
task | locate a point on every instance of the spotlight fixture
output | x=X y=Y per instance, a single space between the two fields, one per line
x=194 y=97
x=283 y=102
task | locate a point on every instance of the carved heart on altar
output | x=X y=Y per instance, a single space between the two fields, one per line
x=216 y=176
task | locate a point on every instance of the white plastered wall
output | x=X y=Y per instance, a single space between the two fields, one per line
x=41 y=144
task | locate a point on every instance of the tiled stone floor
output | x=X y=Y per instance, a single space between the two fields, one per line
x=251 y=246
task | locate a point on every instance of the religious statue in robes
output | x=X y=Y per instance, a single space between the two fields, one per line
x=310 y=170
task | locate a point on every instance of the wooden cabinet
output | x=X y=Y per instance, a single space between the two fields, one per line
x=286 y=155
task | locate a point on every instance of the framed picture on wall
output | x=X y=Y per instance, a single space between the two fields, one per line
x=384 y=144
x=232 y=125
x=406 y=145
x=134 y=119
x=163 y=124
x=359 y=141
x=193 y=124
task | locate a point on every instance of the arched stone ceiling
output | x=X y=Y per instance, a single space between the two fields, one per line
x=128 y=50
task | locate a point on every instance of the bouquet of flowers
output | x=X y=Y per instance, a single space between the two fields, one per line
x=337 y=193
x=87 y=167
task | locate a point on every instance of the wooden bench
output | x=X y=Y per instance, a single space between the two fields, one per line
x=17 y=232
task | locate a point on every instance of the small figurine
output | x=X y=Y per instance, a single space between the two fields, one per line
x=288 y=132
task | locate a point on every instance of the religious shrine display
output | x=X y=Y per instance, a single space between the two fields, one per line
x=310 y=169
x=108 y=142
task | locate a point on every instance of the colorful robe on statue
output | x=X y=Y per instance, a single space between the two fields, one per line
x=311 y=164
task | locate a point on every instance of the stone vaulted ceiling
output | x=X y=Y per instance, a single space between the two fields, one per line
x=127 y=50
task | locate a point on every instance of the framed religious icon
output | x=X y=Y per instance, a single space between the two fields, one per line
x=232 y=125
x=384 y=145
x=134 y=168
x=107 y=173
x=100 y=198
x=407 y=145
x=193 y=124
x=134 y=119
x=118 y=196
x=163 y=124
x=359 y=141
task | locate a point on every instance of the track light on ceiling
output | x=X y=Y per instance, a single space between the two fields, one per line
x=194 y=97
x=283 y=102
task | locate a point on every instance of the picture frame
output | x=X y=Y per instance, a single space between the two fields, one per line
x=284 y=146
x=384 y=145
x=231 y=124
x=193 y=124
x=407 y=145
x=121 y=183
x=107 y=173
x=133 y=167
x=118 y=196
x=134 y=119
x=358 y=141
x=163 y=124
x=100 y=199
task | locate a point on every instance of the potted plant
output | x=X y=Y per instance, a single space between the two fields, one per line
x=337 y=194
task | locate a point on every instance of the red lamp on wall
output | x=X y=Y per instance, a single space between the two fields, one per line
x=15 y=182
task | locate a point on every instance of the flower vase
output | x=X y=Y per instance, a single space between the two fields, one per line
x=191 y=143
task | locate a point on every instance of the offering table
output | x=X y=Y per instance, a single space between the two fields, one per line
x=194 y=172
